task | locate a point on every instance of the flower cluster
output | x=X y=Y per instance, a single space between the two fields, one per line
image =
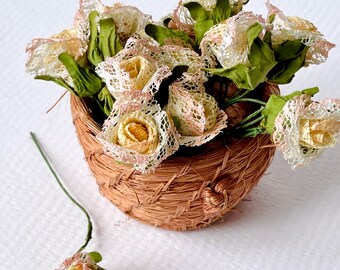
x=165 y=85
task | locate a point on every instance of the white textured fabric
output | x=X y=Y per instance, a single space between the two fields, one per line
x=290 y=221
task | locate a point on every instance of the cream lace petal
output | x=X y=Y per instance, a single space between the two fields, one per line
x=43 y=54
x=81 y=261
x=129 y=146
x=227 y=42
x=128 y=19
x=292 y=28
x=197 y=113
x=208 y=135
x=182 y=19
x=293 y=133
x=173 y=56
x=134 y=73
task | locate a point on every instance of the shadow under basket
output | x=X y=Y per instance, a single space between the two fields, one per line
x=184 y=193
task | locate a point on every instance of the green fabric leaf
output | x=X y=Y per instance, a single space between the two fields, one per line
x=253 y=32
x=276 y=103
x=222 y=11
x=106 y=101
x=109 y=42
x=93 y=53
x=291 y=57
x=261 y=59
x=58 y=81
x=104 y=43
x=86 y=82
x=205 y=19
x=95 y=256
x=162 y=34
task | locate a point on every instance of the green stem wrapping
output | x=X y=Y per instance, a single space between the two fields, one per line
x=249 y=124
x=89 y=227
x=252 y=100
x=249 y=117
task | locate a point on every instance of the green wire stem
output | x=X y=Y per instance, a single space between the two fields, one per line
x=89 y=227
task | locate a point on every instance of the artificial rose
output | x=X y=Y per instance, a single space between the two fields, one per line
x=135 y=73
x=319 y=133
x=128 y=20
x=82 y=261
x=197 y=116
x=304 y=128
x=227 y=42
x=285 y=28
x=137 y=134
x=139 y=71
x=137 y=131
x=43 y=54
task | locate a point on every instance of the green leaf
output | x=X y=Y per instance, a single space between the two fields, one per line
x=291 y=57
x=58 y=81
x=95 y=256
x=104 y=43
x=106 y=101
x=253 y=32
x=205 y=19
x=93 y=53
x=109 y=42
x=86 y=82
x=261 y=59
x=162 y=34
x=276 y=103
x=222 y=11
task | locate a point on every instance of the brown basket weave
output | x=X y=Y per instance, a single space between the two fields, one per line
x=184 y=193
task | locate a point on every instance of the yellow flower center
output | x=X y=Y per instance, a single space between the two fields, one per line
x=137 y=131
x=140 y=71
x=318 y=133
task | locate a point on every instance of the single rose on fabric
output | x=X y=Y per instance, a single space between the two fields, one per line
x=304 y=128
x=135 y=73
x=285 y=28
x=141 y=135
x=196 y=114
x=82 y=261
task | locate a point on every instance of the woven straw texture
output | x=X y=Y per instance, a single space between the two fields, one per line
x=184 y=193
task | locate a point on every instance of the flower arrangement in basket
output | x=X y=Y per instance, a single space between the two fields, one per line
x=180 y=118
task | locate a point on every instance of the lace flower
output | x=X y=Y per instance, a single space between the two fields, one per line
x=227 y=42
x=141 y=135
x=304 y=128
x=182 y=19
x=172 y=56
x=134 y=74
x=43 y=54
x=292 y=28
x=79 y=261
x=129 y=20
x=196 y=113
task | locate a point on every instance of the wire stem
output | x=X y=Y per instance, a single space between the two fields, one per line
x=89 y=227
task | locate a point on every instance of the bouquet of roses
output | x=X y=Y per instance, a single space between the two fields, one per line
x=163 y=85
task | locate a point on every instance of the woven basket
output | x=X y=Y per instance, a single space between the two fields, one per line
x=184 y=193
